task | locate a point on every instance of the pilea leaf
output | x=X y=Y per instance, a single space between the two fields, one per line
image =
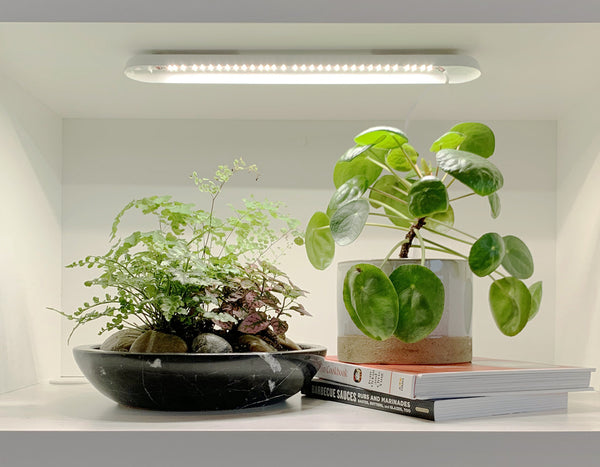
x=427 y=196
x=371 y=301
x=349 y=191
x=517 y=260
x=446 y=220
x=348 y=221
x=510 y=301
x=397 y=158
x=479 y=138
x=425 y=167
x=359 y=165
x=494 y=201
x=390 y=191
x=474 y=171
x=536 y=299
x=486 y=254
x=450 y=140
x=420 y=301
x=354 y=152
x=382 y=137
x=320 y=247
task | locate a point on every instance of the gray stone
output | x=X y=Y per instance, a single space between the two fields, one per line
x=256 y=344
x=158 y=342
x=121 y=340
x=210 y=343
x=288 y=343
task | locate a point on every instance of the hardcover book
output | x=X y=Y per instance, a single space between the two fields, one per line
x=481 y=377
x=441 y=409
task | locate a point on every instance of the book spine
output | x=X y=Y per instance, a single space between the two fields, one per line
x=373 y=379
x=332 y=391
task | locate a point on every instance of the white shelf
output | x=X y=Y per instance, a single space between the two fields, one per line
x=49 y=407
x=74 y=421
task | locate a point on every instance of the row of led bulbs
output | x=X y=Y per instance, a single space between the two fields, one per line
x=296 y=68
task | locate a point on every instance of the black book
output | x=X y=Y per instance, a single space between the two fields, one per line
x=438 y=409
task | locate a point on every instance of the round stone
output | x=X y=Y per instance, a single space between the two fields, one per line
x=121 y=341
x=210 y=343
x=158 y=342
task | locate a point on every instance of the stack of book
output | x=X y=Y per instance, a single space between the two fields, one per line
x=484 y=387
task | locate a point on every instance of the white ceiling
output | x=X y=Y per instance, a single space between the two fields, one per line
x=529 y=71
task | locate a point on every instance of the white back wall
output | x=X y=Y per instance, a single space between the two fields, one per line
x=578 y=238
x=30 y=238
x=109 y=162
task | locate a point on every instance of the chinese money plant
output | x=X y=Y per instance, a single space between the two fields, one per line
x=383 y=182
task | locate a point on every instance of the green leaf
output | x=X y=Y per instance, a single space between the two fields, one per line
x=474 y=171
x=360 y=165
x=354 y=152
x=349 y=191
x=486 y=254
x=479 y=139
x=517 y=260
x=425 y=167
x=382 y=137
x=450 y=140
x=494 y=200
x=427 y=196
x=536 y=299
x=371 y=301
x=390 y=191
x=510 y=302
x=348 y=221
x=420 y=301
x=446 y=220
x=397 y=158
x=320 y=247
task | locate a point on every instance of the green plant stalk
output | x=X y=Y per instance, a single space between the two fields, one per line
x=422 y=245
x=448 y=250
x=451 y=227
x=386 y=226
x=461 y=197
x=391 y=252
x=395 y=211
x=442 y=234
x=412 y=164
x=387 y=195
x=390 y=170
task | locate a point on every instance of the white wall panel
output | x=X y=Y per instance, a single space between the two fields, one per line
x=30 y=238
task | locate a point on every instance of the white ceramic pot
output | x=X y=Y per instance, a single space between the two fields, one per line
x=451 y=340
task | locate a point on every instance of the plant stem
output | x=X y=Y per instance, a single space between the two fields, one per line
x=390 y=170
x=463 y=196
x=386 y=226
x=422 y=245
x=448 y=236
x=413 y=165
x=448 y=250
x=410 y=236
x=387 y=206
x=450 y=227
x=391 y=252
x=387 y=195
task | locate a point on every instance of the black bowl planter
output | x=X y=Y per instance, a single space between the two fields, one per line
x=188 y=381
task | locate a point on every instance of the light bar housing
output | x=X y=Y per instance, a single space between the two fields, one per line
x=302 y=68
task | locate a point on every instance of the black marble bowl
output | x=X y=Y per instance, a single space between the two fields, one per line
x=188 y=381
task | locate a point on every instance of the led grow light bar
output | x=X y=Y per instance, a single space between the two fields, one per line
x=302 y=68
